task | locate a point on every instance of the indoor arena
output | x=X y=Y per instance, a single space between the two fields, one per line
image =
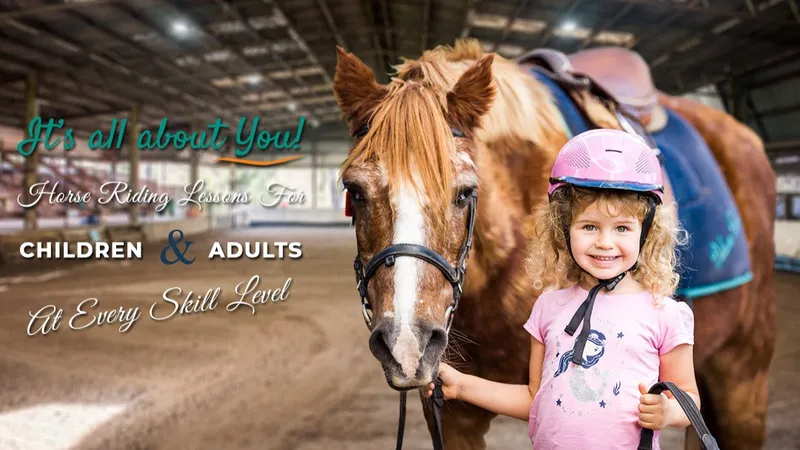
x=181 y=213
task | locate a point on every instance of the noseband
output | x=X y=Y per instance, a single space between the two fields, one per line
x=453 y=274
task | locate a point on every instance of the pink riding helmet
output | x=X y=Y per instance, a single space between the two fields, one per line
x=608 y=159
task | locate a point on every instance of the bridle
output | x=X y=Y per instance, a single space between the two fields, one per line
x=453 y=274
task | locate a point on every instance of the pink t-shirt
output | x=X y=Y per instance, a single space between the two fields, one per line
x=595 y=405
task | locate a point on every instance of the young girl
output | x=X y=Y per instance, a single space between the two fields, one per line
x=605 y=329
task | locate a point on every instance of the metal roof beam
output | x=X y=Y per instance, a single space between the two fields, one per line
x=548 y=32
x=71 y=70
x=780 y=111
x=380 y=54
x=238 y=53
x=292 y=29
x=7 y=80
x=507 y=29
x=95 y=60
x=710 y=10
x=769 y=62
x=169 y=65
x=510 y=23
x=326 y=12
x=404 y=34
x=44 y=9
x=605 y=26
x=296 y=64
x=229 y=8
x=469 y=10
x=426 y=17
x=386 y=23
x=654 y=31
x=795 y=10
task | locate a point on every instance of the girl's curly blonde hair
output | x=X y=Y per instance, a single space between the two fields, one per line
x=551 y=265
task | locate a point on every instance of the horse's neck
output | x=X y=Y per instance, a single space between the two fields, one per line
x=508 y=194
x=516 y=147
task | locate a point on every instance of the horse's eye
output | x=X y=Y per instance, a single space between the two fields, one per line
x=464 y=195
x=356 y=194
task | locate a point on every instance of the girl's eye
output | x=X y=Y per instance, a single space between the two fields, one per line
x=622 y=228
x=589 y=227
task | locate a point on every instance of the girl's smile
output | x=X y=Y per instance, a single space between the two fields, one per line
x=605 y=261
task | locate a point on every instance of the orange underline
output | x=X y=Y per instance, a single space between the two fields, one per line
x=249 y=162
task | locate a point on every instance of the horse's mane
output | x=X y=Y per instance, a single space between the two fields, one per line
x=409 y=125
x=522 y=106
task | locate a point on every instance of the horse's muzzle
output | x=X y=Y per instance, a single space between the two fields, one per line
x=408 y=355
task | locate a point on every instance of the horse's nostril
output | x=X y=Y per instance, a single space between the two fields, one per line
x=437 y=342
x=379 y=343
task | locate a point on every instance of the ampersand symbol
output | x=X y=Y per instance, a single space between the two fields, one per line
x=173 y=245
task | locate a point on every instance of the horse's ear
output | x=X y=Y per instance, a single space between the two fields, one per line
x=355 y=88
x=472 y=95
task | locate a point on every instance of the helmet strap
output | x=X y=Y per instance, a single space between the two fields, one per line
x=584 y=313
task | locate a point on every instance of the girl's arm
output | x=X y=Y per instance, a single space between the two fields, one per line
x=677 y=366
x=512 y=400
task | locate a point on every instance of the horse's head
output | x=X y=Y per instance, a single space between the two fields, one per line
x=412 y=182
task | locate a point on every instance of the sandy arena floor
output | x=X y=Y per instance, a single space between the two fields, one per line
x=297 y=374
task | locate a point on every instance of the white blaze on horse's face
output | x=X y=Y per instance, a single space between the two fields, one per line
x=409 y=229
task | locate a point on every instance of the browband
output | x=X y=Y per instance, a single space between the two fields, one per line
x=363 y=130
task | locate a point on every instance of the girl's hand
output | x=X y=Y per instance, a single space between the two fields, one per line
x=654 y=410
x=451 y=382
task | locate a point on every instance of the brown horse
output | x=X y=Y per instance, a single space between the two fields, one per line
x=458 y=121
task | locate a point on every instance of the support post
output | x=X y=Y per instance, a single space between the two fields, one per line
x=315 y=190
x=3 y=163
x=68 y=172
x=194 y=165
x=31 y=172
x=232 y=186
x=133 y=163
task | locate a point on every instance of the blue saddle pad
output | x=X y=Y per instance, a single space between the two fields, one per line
x=717 y=257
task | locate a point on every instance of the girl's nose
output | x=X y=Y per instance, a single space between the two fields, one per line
x=604 y=241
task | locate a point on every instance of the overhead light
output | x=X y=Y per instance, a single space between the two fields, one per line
x=292 y=106
x=254 y=78
x=180 y=28
x=568 y=26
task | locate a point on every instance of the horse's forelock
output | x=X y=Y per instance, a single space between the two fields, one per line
x=410 y=138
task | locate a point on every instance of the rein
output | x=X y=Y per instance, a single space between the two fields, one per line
x=454 y=274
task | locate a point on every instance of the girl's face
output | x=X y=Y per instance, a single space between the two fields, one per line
x=605 y=246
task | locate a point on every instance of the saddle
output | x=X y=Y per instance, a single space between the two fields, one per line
x=612 y=97
x=624 y=74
